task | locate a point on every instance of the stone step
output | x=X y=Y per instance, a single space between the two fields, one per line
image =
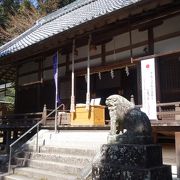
x=73 y=138
x=55 y=166
x=39 y=174
x=62 y=158
x=64 y=150
x=17 y=177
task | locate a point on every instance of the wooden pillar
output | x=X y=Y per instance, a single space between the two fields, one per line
x=177 y=139
x=15 y=134
x=44 y=115
x=177 y=110
x=38 y=97
x=8 y=139
x=158 y=92
x=16 y=90
x=151 y=51
x=139 y=86
x=151 y=41
x=40 y=79
x=4 y=136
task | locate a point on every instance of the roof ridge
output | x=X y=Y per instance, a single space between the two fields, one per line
x=42 y=20
x=78 y=12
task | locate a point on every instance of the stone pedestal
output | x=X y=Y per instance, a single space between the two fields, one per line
x=131 y=162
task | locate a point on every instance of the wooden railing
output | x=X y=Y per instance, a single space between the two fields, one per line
x=167 y=111
x=21 y=119
x=25 y=119
x=50 y=120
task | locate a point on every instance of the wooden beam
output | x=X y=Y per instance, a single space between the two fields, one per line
x=135 y=60
x=136 y=45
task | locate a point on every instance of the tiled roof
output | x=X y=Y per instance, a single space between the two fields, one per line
x=68 y=17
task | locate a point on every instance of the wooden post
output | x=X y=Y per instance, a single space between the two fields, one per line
x=158 y=92
x=72 y=108
x=139 y=86
x=177 y=109
x=177 y=139
x=16 y=90
x=132 y=99
x=88 y=75
x=40 y=79
x=44 y=115
x=159 y=110
x=8 y=139
x=15 y=134
x=4 y=136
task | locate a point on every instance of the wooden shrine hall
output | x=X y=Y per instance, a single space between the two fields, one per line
x=99 y=46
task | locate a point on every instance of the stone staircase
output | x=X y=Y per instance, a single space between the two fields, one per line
x=67 y=155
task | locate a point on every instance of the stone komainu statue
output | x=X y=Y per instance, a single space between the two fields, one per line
x=124 y=115
x=118 y=106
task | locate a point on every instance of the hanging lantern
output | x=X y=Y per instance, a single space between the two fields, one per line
x=99 y=75
x=127 y=70
x=112 y=73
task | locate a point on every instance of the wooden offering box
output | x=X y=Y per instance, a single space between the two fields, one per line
x=95 y=115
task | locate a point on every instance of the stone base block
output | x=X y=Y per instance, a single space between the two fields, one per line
x=104 y=171
x=128 y=155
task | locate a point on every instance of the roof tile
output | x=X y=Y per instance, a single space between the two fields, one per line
x=63 y=19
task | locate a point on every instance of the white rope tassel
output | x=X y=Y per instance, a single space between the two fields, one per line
x=99 y=75
x=88 y=76
x=85 y=77
x=127 y=70
x=112 y=73
x=72 y=107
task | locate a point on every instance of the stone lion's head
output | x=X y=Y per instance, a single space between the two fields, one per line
x=118 y=106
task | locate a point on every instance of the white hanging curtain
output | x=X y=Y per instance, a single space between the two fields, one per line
x=88 y=76
x=72 y=107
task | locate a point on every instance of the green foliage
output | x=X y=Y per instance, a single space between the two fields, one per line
x=8 y=96
x=25 y=5
x=15 y=18
x=10 y=6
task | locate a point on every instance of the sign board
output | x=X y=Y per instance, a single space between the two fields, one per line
x=148 y=88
